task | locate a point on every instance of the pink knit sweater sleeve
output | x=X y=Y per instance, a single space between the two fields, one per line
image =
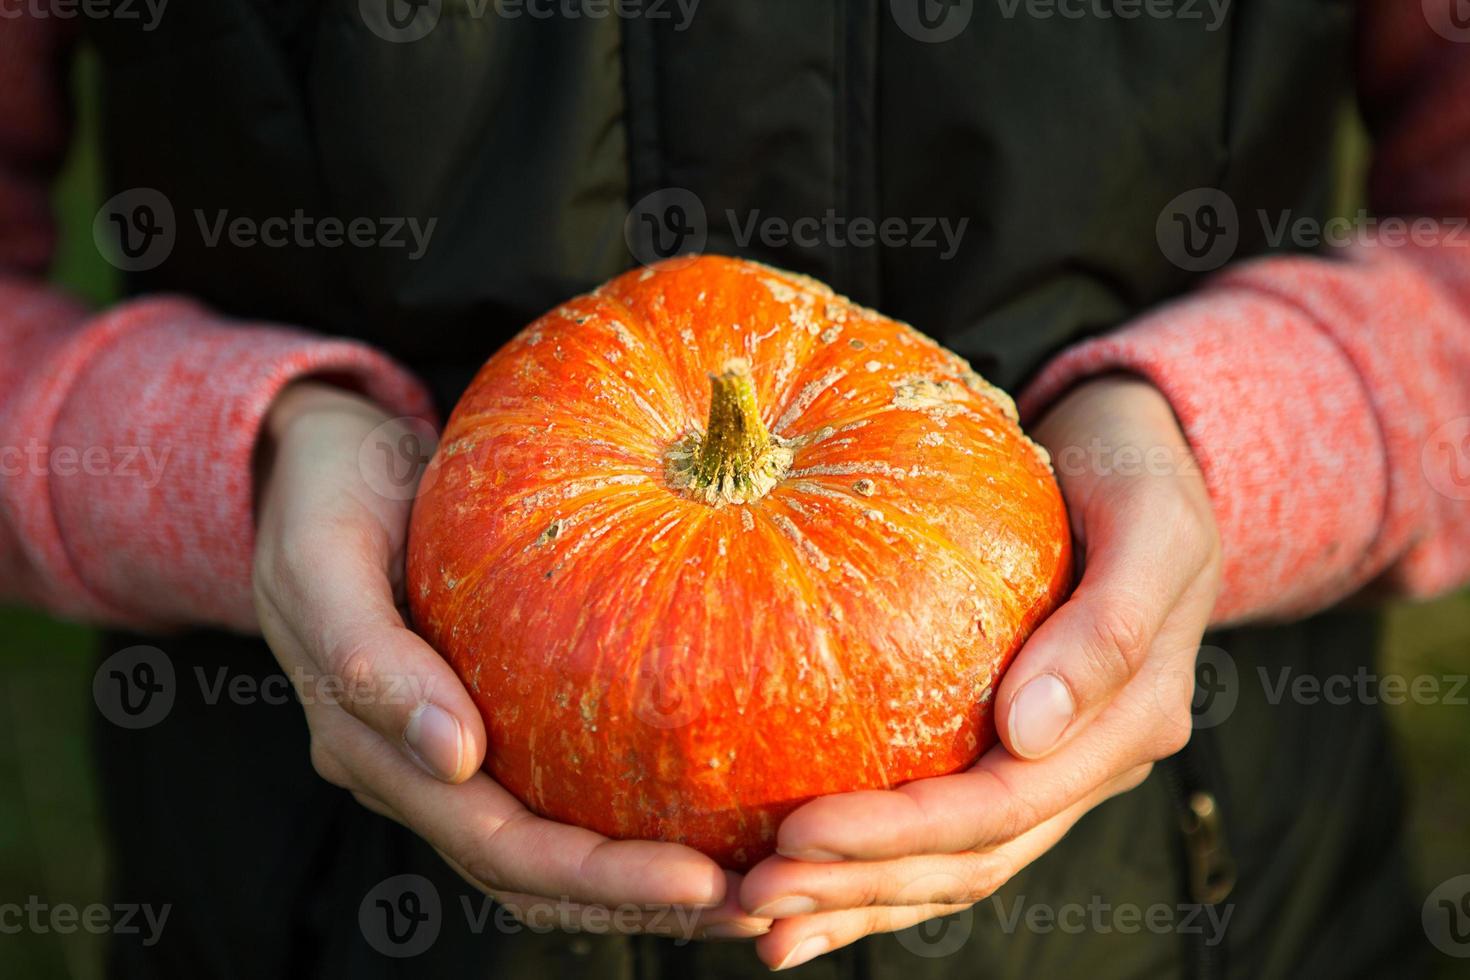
x=1328 y=399
x=126 y=437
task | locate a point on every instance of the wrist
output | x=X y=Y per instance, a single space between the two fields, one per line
x=294 y=408
x=1110 y=401
x=311 y=397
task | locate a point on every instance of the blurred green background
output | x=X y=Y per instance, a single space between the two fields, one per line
x=51 y=842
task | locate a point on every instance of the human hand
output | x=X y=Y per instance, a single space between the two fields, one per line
x=391 y=722
x=1090 y=702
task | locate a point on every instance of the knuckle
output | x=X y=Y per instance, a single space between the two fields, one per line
x=867 y=893
x=291 y=558
x=354 y=672
x=1171 y=739
x=1138 y=776
x=478 y=853
x=1119 y=638
x=983 y=881
x=1017 y=815
x=372 y=803
x=1191 y=519
x=482 y=870
x=324 y=761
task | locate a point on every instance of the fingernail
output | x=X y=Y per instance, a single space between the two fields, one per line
x=814 y=854
x=1039 y=715
x=808 y=949
x=433 y=739
x=785 y=908
x=733 y=930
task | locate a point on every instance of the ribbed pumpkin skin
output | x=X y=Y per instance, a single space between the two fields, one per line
x=651 y=666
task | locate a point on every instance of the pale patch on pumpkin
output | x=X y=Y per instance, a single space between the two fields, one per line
x=798 y=506
x=803 y=543
x=853 y=469
x=865 y=487
x=624 y=335
x=812 y=438
x=808 y=394
x=937 y=398
x=664 y=529
x=785 y=369
x=831 y=334
x=780 y=291
x=1042 y=455
x=990 y=392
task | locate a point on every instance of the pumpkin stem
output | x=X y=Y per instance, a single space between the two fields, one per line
x=737 y=460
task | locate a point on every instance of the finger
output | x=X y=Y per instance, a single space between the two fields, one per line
x=996 y=800
x=781 y=888
x=370 y=802
x=792 y=942
x=1144 y=548
x=728 y=921
x=335 y=600
x=498 y=843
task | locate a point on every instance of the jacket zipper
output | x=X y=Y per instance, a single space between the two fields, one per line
x=1209 y=866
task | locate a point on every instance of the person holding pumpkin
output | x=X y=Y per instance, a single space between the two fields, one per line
x=1295 y=395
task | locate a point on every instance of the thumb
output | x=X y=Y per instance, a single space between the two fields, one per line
x=337 y=601
x=1143 y=550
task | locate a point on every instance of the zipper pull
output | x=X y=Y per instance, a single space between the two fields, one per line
x=1211 y=866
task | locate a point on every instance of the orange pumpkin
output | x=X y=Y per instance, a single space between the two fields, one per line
x=713 y=540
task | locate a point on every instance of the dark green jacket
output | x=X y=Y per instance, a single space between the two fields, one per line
x=554 y=152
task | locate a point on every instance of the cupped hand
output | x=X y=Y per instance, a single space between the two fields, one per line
x=1096 y=695
x=391 y=722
